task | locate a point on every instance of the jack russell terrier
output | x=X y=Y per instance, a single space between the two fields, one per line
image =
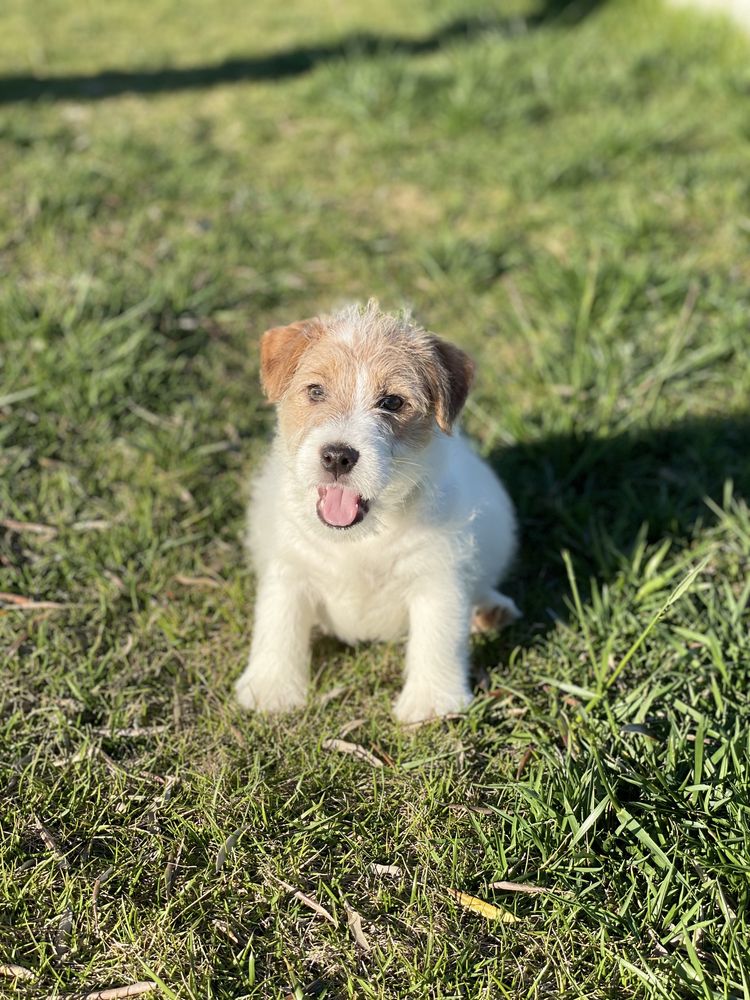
x=369 y=519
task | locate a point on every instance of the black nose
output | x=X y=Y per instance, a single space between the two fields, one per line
x=338 y=459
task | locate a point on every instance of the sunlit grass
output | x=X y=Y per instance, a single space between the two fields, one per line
x=567 y=197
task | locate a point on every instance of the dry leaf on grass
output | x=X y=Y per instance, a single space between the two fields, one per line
x=16 y=972
x=354 y=921
x=342 y=746
x=385 y=869
x=227 y=848
x=61 y=943
x=488 y=910
x=461 y=807
x=223 y=926
x=517 y=887
x=11 y=651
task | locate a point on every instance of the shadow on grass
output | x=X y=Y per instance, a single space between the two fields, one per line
x=276 y=65
x=594 y=496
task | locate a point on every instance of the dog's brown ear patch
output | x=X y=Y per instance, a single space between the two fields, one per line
x=280 y=351
x=451 y=380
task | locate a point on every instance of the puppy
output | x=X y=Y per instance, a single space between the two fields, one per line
x=369 y=519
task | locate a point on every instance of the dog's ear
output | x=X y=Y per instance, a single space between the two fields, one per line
x=280 y=351
x=451 y=375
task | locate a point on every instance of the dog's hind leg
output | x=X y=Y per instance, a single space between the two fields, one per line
x=494 y=612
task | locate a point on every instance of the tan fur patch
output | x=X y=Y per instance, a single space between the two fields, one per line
x=491 y=619
x=453 y=377
x=280 y=351
x=357 y=358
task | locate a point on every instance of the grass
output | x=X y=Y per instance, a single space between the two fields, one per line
x=565 y=193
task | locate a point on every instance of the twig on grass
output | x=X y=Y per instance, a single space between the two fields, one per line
x=100 y=880
x=332 y=694
x=15 y=646
x=112 y=992
x=525 y=758
x=130 y=730
x=196 y=581
x=91 y=524
x=170 y=871
x=28 y=527
x=148 y=416
x=349 y=727
x=342 y=746
x=52 y=845
x=310 y=903
x=385 y=755
x=27 y=603
x=15 y=397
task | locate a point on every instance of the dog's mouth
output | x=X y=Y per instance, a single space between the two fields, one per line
x=339 y=507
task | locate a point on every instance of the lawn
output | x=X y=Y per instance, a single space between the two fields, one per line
x=564 y=190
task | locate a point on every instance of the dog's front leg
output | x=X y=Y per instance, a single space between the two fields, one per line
x=277 y=675
x=437 y=654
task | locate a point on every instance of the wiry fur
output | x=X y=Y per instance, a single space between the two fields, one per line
x=438 y=534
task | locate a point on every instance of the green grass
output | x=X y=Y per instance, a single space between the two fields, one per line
x=567 y=196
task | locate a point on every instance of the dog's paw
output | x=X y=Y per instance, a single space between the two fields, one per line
x=500 y=611
x=259 y=693
x=419 y=703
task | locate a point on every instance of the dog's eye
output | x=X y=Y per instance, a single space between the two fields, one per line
x=316 y=393
x=392 y=404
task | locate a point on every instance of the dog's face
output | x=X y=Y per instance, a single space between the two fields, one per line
x=360 y=395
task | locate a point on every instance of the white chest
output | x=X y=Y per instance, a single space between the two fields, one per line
x=361 y=599
x=365 y=614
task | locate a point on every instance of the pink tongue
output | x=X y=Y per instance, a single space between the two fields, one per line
x=338 y=506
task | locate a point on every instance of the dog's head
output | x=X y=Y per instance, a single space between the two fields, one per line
x=360 y=395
